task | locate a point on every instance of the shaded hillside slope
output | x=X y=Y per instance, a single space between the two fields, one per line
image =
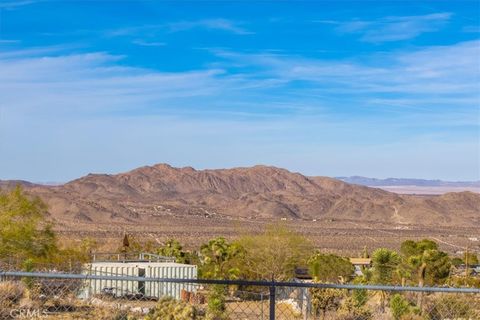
x=258 y=192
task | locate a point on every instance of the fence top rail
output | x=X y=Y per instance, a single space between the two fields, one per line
x=235 y=282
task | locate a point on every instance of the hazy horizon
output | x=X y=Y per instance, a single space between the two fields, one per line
x=51 y=182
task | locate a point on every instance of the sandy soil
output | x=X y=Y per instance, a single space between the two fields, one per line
x=338 y=236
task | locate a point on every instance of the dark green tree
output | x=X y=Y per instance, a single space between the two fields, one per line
x=173 y=248
x=330 y=268
x=219 y=259
x=275 y=253
x=422 y=263
x=25 y=233
x=411 y=248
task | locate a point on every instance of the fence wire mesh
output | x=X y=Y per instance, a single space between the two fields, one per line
x=77 y=296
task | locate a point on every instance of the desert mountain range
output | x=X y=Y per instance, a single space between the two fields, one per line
x=258 y=192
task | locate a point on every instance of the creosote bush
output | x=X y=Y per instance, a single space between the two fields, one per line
x=350 y=309
x=171 y=309
x=324 y=300
x=274 y=254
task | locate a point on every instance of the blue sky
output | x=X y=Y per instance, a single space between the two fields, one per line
x=331 y=88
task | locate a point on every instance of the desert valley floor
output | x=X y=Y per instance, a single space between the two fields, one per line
x=342 y=236
x=160 y=202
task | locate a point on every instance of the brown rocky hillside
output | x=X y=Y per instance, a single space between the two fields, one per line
x=258 y=192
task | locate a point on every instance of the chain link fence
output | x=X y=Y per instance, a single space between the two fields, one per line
x=56 y=295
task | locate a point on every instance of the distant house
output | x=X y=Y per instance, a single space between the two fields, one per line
x=302 y=273
x=474 y=270
x=362 y=262
x=359 y=264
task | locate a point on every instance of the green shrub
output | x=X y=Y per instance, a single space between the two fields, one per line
x=27 y=239
x=324 y=300
x=216 y=307
x=330 y=268
x=399 y=306
x=171 y=309
x=350 y=309
x=360 y=297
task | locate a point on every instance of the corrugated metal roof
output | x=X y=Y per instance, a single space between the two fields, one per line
x=140 y=264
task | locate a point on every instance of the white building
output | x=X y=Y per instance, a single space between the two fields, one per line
x=142 y=269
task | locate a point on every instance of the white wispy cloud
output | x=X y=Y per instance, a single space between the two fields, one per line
x=446 y=71
x=153 y=31
x=430 y=79
x=94 y=83
x=210 y=24
x=8 y=41
x=471 y=29
x=145 y=43
x=90 y=110
x=16 y=54
x=393 y=28
x=10 y=4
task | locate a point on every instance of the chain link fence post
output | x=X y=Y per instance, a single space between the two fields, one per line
x=261 y=305
x=76 y=296
x=272 y=301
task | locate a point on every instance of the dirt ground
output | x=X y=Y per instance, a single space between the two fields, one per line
x=336 y=236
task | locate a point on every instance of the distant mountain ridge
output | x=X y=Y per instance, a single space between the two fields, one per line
x=373 y=182
x=260 y=192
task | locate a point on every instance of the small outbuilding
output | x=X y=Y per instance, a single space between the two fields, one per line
x=359 y=264
x=140 y=269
